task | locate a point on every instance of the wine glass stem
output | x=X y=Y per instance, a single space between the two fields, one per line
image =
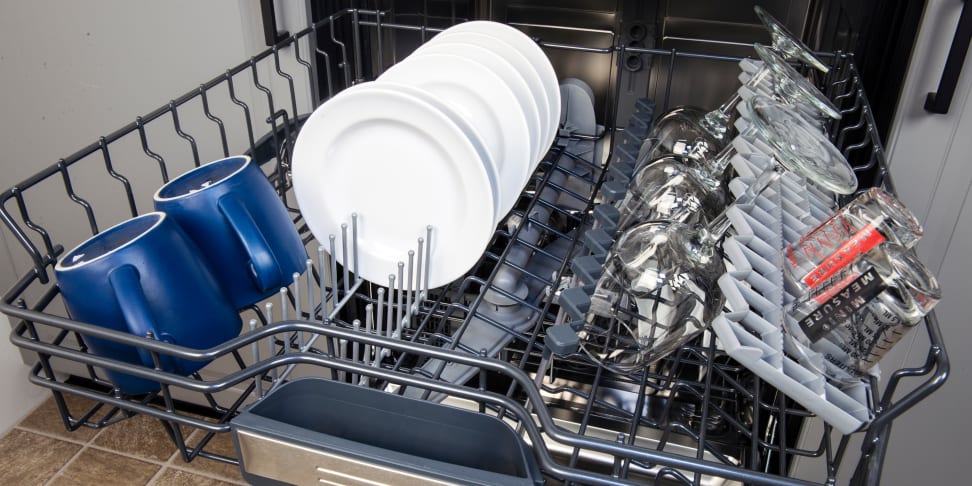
x=716 y=122
x=717 y=228
x=717 y=166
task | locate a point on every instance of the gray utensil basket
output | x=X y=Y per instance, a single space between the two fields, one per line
x=314 y=429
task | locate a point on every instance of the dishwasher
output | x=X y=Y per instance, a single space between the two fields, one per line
x=338 y=380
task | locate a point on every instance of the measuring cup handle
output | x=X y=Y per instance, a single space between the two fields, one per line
x=264 y=268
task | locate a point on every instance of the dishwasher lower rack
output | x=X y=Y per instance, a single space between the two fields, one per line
x=477 y=344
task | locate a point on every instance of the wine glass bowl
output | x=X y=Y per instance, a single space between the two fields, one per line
x=790 y=85
x=799 y=147
x=657 y=292
x=668 y=190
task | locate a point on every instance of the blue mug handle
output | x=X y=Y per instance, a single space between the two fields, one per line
x=263 y=266
x=124 y=281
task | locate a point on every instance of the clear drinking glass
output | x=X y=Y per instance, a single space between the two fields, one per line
x=851 y=320
x=667 y=189
x=870 y=219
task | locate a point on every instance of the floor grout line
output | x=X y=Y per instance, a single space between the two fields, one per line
x=65 y=465
x=50 y=435
x=155 y=476
x=205 y=474
x=174 y=460
x=92 y=445
x=126 y=454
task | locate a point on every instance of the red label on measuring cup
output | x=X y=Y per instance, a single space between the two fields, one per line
x=856 y=245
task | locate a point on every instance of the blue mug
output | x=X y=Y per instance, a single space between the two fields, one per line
x=146 y=276
x=232 y=212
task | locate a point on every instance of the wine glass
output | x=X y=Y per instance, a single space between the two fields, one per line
x=657 y=291
x=667 y=189
x=659 y=287
x=786 y=44
x=775 y=77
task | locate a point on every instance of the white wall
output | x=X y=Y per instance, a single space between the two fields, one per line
x=931 y=161
x=19 y=397
x=73 y=71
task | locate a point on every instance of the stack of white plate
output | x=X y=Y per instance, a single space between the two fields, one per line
x=447 y=137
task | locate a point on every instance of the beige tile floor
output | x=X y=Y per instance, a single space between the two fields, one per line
x=136 y=451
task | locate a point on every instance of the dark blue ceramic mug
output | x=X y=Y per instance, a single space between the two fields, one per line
x=146 y=276
x=232 y=212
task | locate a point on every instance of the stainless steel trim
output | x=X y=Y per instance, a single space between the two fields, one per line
x=292 y=463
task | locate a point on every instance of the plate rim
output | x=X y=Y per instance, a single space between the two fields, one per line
x=533 y=53
x=538 y=118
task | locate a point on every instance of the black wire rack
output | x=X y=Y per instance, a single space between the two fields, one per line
x=696 y=417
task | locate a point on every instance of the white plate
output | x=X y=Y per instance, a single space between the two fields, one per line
x=492 y=169
x=521 y=64
x=516 y=82
x=400 y=164
x=532 y=51
x=482 y=98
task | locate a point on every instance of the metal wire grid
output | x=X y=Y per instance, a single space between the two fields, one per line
x=719 y=394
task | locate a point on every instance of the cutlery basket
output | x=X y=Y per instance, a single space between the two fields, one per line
x=311 y=428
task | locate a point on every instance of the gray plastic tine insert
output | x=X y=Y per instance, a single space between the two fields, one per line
x=391 y=305
x=428 y=255
x=309 y=272
x=321 y=276
x=752 y=331
x=255 y=349
x=401 y=297
x=344 y=251
x=418 y=274
x=334 y=279
x=408 y=296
